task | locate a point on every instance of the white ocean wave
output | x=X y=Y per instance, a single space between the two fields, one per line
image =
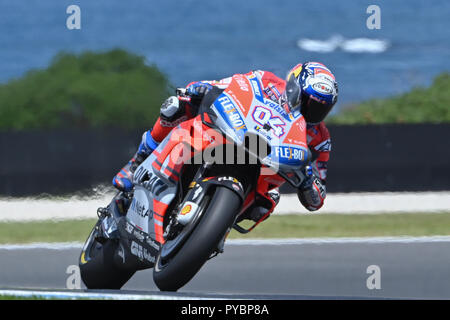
x=320 y=45
x=365 y=45
x=336 y=42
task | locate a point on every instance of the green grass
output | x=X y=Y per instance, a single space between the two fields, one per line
x=17 y=298
x=431 y=105
x=9 y=297
x=45 y=231
x=361 y=225
x=286 y=226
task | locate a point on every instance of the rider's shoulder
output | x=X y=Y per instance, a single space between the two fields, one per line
x=261 y=73
x=268 y=77
x=267 y=74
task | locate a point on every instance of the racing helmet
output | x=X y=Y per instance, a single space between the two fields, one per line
x=312 y=89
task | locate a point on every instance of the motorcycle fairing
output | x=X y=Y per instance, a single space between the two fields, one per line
x=242 y=109
x=157 y=179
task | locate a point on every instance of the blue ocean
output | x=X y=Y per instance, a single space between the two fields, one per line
x=203 y=40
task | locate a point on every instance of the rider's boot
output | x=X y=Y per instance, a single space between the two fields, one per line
x=171 y=114
x=123 y=179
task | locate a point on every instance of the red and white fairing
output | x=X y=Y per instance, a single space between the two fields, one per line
x=242 y=108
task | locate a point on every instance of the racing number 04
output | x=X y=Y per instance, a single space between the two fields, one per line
x=264 y=116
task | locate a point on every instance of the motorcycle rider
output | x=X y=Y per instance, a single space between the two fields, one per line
x=310 y=87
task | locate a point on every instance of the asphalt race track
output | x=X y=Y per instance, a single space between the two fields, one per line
x=297 y=271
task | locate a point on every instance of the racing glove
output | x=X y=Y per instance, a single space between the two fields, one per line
x=198 y=89
x=170 y=108
x=312 y=193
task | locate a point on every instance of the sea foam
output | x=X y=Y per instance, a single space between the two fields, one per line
x=338 y=42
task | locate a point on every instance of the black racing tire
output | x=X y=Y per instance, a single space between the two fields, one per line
x=97 y=267
x=214 y=223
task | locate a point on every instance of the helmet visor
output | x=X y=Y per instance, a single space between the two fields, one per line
x=293 y=93
x=314 y=111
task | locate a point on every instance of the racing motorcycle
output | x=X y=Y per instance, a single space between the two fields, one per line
x=201 y=182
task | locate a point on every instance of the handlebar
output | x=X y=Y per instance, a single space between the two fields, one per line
x=181 y=94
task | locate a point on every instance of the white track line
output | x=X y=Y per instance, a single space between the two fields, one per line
x=29 y=209
x=254 y=242
x=43 y=245
x=76 y=295
x=301 y=241
x=372 y=203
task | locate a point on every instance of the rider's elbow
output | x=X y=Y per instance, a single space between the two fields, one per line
x=313 y=208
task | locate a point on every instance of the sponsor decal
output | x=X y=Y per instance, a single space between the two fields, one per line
x=141 y=252
x=231 y=179
x=134 y=232
x=242 y=83
x=140 y=209
x=140 y=235
x=294 y=141
x=172 y=124
x=323 y=87
x=256 y=89
x=263 y=132
x=272 y=92
x=279 y=109
x=231 y=113
x=139 y=174
x=155 y=184
x=187 y=212
x=186 y=209
x=290 y=153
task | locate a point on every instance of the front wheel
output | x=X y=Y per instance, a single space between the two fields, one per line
x=204 y=239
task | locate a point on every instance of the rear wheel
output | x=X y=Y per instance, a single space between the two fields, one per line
x=97 y=267
x=218 y=217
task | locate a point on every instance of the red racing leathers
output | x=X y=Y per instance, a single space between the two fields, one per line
x=313 y=195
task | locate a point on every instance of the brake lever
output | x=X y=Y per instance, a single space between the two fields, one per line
x=181 y=94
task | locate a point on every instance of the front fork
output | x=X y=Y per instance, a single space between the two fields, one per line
x=200 y=186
